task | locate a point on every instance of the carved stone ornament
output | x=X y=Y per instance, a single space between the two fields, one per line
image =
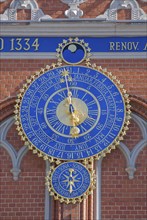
x=73 y=12
x=10 y=13
x=136 y=12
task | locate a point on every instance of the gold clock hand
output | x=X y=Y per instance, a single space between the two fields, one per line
x=71 y=171
x=65 y=74
x=71 y=183
x=74 y=131
x=75 y=121
x=70 y=186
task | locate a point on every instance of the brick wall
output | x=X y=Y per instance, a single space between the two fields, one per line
x=22 y=199
x=123 y=198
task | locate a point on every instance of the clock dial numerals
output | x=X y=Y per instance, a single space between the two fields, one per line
x=91 y=103
x=89 y=121
x=49 y=115
x=60 y=128
x=63 y=120
x=53 y=120
x=62 y=95
x=75 y=93
x=56 y=124
x=92 y=112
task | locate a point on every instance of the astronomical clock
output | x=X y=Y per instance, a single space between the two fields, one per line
x=72 y=113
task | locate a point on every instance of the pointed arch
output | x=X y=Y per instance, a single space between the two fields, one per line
x=37 y=14
x=16 y=157
x=136 y=12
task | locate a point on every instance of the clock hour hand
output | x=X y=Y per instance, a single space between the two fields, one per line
x=71 y=108
x=67 y=78
x=75 y=131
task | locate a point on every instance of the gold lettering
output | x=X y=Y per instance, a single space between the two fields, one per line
x=27 y=44
x=135 y=45
x=124 y=46
x=112 y=44
x=1 y=43
x=36 y=44
x=129 y=46
x=19 y=45
x=145 y=48
x=12 y=44
x=120 y=46
x=24 y=44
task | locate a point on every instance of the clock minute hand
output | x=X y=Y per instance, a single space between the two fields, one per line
x=65 y=74
x=74 y=131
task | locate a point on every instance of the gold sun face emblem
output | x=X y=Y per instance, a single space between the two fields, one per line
x=65 y=76
x=65 y=73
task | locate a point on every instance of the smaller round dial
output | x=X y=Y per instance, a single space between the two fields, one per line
x=70 y=181
x=73 y=53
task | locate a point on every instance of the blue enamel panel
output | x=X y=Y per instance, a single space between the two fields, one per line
x=38 y=44
x=70 y=180
x=44 y=129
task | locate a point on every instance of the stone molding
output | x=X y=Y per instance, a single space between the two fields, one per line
x=73 y=12
x=141 y=55
x=136 y=12
x=10 y=13
x=24 y=4
x=74 y=28
x=132 y=155
x=16 y=157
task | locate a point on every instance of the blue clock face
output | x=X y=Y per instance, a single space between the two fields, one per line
x=70 y=180
x=56 y=106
